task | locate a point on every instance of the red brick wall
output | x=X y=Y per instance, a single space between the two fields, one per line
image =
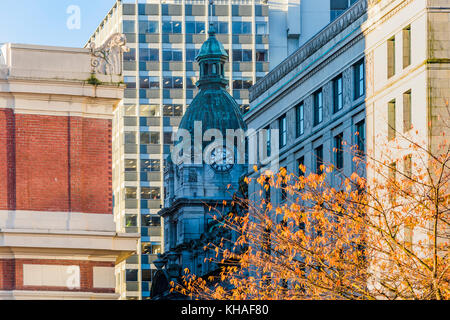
x=7 y=274
x=7 y=160
x=11 y=274
x=59 y=163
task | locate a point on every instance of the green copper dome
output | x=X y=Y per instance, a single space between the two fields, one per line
x=212 y=47
x=215 y=109
x=213 y=106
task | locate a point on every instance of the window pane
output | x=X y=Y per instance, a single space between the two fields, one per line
x=339 y=154
x=130 y=55
x=128 y=26
x=246 y=27
x=154 y=138
x=237 y=27
x=178 y=110
x=131 y=275
x=237 y=84
x=261 y=55
x=130 y=82
x=200 y=27
x=167 y=82
x=300 y=120
x=130 y=220
x=167 y=27
x=130 y=165
x=130 y=110
x=151 y=193
x=361 y=136
x=130 y=137
x=190 y=82
x=149 y=111
x=167 y=55
x=223 y=27
x=190 y=27
x=246 y=55
x=178 y=82
x=168 y=138
x=261 y=28
x=247 y=83
x=146 y=275
x=318 y=107
x=177 y=55
x=144 y=83
x=130 y=193
x=177 y=27
x=283 y=131
x=148 y=27
x=154 y=82
x=150 y=220
x=318 y=152
x=168 y=110
x=150 y=165
x=237 y=55
x=191 y=54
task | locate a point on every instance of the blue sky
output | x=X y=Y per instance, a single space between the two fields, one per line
x=45 y=21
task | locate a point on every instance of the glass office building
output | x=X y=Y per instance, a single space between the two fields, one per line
x=160 y=75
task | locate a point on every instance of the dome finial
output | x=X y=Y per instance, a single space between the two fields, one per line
x=212 y=30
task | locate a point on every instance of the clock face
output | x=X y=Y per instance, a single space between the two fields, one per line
x=221 y=159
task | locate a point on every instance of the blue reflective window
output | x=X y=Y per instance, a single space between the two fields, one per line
x=128 y=26
x=148 y=27
x=148 y=54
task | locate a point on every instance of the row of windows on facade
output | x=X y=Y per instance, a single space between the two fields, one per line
x=338 y=7
x=147 y=275
x=168 y=110
x=318 y=106
x=407 y=115
x=318 y=156
x=193 y=27
x=147 y=138
x=200 y=9
x=150 y=165
x=147 y=220
x=391 y=71
x=406 y=51
x=177 y=82
x=148 y=193
x=176 y=55
x=338 y=149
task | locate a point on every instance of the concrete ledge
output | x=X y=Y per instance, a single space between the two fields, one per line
x=44 y=221
x=55 y=295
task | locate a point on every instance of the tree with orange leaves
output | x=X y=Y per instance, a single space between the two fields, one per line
x=383 y=236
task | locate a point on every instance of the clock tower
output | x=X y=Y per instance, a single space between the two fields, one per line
x=202 y=175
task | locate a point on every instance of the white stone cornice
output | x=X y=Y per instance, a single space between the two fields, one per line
x=56 y=295
x=304 y=52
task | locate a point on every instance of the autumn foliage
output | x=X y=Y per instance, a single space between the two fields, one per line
x=380 y=233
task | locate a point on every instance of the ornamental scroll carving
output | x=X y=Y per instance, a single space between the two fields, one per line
x=107 y=59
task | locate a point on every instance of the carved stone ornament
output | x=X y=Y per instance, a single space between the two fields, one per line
x=4 y=70
x=107 y=59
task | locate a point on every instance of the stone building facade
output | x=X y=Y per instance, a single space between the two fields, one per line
x=378 y=72
x=58 y=237
x=408 y=88
x=314 y=100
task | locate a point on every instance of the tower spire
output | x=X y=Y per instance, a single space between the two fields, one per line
x=210 y=22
